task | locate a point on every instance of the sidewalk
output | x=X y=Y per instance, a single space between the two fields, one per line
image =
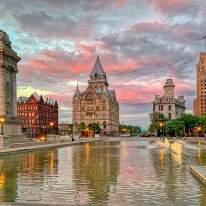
x=43 y=145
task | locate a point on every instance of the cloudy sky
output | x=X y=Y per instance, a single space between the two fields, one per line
x=140 y=44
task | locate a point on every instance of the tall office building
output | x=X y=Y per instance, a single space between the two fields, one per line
x=199 y=105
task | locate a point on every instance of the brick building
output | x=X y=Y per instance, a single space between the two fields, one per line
x=38 y=115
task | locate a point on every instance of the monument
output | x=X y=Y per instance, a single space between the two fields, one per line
x=10 y=125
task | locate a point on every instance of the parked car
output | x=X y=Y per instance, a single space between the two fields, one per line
x=145 y=135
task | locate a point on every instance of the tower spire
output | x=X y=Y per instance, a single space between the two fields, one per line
x=204 y=39
x=77 y=92
x=97 y=68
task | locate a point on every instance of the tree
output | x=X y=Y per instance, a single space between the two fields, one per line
x=81 y=127
x=129 y=129
x=95 y=127
x=175 y=128
x=189 y=120
x=156 y=119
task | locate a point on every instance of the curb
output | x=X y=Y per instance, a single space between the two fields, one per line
x=12 y=151
x=198 y=174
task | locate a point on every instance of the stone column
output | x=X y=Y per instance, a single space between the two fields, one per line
x=2 y=91
x=14 y=95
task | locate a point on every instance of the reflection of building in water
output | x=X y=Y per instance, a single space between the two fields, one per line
x=96 y=167
x=42 y=161
x=34 y=167
x=8 y=179
x=177 y=152
x=165 y=169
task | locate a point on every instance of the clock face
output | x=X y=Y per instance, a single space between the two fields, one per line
x=168 y=91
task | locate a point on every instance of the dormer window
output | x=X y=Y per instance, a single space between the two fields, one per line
x=96 y=75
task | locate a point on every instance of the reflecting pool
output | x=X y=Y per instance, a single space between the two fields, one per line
x=103 y=173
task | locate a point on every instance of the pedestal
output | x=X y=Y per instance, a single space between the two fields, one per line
x=12 y=132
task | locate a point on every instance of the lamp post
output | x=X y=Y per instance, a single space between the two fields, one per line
x=2 y=120
x=198 y=130
x=51 y=124
x=161 y=126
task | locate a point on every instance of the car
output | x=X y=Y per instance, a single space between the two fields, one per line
x=145 y=135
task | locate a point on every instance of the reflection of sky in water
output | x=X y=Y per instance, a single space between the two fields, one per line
x=110 y=173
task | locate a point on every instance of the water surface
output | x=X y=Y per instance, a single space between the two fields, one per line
x=108 y=173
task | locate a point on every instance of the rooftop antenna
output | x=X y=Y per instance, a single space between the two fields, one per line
x=204 y=39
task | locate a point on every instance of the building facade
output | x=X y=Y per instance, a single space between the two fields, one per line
x=168 y=106
x=97 y=104
x=38 y=116
x=199 y=104
x=65 y=128
x=8 y=91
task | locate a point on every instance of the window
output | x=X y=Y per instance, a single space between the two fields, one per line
x=169 y=115
x=97 y=108
x=169 y=107
x=161 y=116
x=96 y=75
x=160 y=107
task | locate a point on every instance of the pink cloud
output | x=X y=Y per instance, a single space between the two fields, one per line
x=170 y=5
x=145 y=94
x=154 y=26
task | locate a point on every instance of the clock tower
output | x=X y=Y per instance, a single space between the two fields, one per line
x=169 y=88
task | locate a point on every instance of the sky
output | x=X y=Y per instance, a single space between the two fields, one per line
x=141 y=43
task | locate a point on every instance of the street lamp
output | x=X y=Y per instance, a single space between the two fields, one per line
x=161 y=129
x=198 y=130
x=51 y=124
x=2 y=120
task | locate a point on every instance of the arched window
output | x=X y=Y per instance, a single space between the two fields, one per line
x=96 y=75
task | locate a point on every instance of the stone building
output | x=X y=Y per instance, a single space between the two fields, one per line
x=10 y=126
x=97 y=104
x=38 y=115
x=168 y=106
x=199 y=104
x=65 y=128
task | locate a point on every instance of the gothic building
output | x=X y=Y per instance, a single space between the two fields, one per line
x=97 y=104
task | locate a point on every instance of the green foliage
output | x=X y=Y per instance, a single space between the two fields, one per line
x=202 y=122
x=152 y=127
x=175 y=128
x=156 y=118
x=129 y=129
x=81 y=127
x=190 y=121
x=95 y=127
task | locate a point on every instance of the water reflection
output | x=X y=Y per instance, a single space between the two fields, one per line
x=107 y=173
x=95 y=168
